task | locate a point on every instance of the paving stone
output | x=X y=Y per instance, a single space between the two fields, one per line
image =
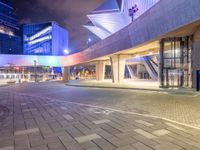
x=74 y=132
x=28 y=110
x=82 y=128
x=56 y=146
x=89 y=145
x=63 y=108
x=33 y=130
x=141 y=146
x=122 y=142
x=167 y=146
x=7 y=148
x=110 y=129
x=40 y=148
x=144 y=123
x=175 y=126
x=72 y=146
x=22 y=143
x=23 y=104
x=126 y=148
x=161 y=132
x=101 y=121
x=145 y=134
x=105 y=145
x=6 y=142
x=68 y=117
x=87 y=138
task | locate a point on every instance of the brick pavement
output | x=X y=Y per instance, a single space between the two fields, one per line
x=36 y=123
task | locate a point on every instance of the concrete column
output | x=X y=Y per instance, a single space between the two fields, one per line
x=66 y=74
x=195 y=57
x=160 y=67
x=118 y=63
x=100 y=71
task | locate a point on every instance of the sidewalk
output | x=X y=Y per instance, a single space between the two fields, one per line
x=131 y=85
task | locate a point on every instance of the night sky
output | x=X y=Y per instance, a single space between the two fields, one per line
x=70 y=14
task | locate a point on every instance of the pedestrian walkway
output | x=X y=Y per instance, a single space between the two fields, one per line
x=40 y=123
x=131 y=85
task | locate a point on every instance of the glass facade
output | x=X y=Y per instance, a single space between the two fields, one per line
x=10 y=40
x=44 y=39
x=175 y=62
x=37 y=39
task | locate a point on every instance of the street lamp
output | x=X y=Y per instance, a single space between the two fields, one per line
x=66 y=51
x=35 y=74
x=132 y=11
x=89 y=41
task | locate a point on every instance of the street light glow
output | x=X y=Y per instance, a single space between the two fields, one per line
x=89 y=39
x=66 y=51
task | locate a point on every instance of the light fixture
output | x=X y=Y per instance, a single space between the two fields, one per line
x=150 y=53
x=66 y=51
x=89 y=39
x=137 y=55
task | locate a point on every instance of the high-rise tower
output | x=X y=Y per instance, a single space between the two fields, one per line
x=10 y=40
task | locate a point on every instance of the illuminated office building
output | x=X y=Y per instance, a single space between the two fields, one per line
x=10 y=40
x=44 y=39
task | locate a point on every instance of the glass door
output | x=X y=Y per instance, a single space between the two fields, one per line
x=175 y=78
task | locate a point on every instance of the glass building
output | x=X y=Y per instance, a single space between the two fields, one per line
x=10 y=40
x=44 y=39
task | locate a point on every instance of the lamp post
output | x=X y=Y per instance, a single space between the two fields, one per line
x=132 y=11
x=35 y=74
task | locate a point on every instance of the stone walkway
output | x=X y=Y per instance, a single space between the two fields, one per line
x=39 y=123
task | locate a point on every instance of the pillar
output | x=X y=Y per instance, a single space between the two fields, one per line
x=66 y=74
x=160 y=66
x=195 y=57
x=118 y=63
x=100 y=71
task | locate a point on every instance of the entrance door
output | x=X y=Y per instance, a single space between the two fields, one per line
x=175 y=78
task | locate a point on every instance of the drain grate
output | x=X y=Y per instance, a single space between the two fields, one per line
x=4 y=112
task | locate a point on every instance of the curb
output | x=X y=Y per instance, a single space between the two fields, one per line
x=4 y=85
x=184 y=93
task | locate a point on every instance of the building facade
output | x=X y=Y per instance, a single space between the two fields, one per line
x=171 y=34
x=44 y=39
x=10 y=38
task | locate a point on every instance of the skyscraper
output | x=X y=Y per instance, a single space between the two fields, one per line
x=10 y=40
